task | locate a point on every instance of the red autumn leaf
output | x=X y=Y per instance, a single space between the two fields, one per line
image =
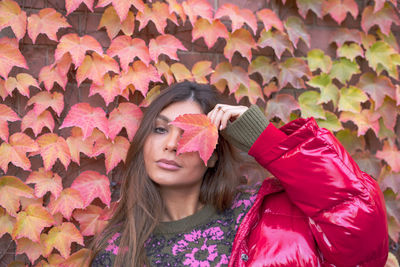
x=48 y=21
x=209 y=31
x=11 y=15
x=296 y=30
x=237 y=16
x=253 y=92
x=165 y=44
x=21 y=82
x=338 y=9
x=91 y=184
x=233 y=76
x=201 y=8
x=10 y=56
x=270 y=19
x=6 y=222
x=127 y=115
x=53 y=147
x=292 y=71
x=94 y=67
x=108 y=90
x=122 y=7
x=15 y=151
x=32 y=249
x=113 y=25
x=277 y=40
x=3 y=91
x=44 y=100
x=306 y=5
x=78 y=259
x=127 y=49
x=163 y=69
x=264 y=66
x=77 y=47
x=68 y=200
x=86 y=117
x=50 y=75
x=391 y=155
x=281 y=106
x=6 y=114
x=343 y=35
x=77 y=145
x=379 y=4
x=175 y=7
x=241 y=41
x=45 y=181
x=364 y=120
x=90 y=220
x=383 y=18
x=37 y=122
x=114 y=151
x=31 y=221
x=71 y=5
x=158 y=14
x=11 y=190
x=61 y=238
x=200 y=70
x=139 y=75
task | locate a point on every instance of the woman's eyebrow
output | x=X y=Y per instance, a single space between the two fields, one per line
x=164 y=118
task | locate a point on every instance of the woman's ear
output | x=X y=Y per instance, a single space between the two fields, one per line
x=212 y=160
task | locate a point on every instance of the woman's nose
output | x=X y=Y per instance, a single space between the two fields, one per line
x=172 y=140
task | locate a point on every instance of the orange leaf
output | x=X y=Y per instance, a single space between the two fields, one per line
x=91 y=184
x=44 y=100
x=270 y=19
x=36 y=123
x=364 y=120
x=200 y=70
x=139 y=75
x=158 y=14
x=77 y=46
x=6 y=114
x=52 y=147
x=266 y=67
x=127 y=49
x=25 y=202
x=234 y=76
x=54 y=259
x=163 y=69
x=253 y=92
x=32 y=249
x=209 y=31
x=113 y=25
x=122 y=7
x=127 y=115
x=338 y=9
x=391 y=155
x=68 y=200
x=90 y=220
x=199 y=134
x=194 y=8
x=109 y=90
x=11 y=15
x=180 y=72
x=11 y=189
x=21 y=82
x=61 y=238
x=3 y=91
x=78 y=259
x=114 y=151
x=76 y=145
x=86 y=117
x=45 y=181
x=48 y=21
x=175 y=7
x=241 y=41
x=31 y=222
x=281 y=106
x=165 y=44
x=6 y=222
x=277 y=40
x=10 y=56
x=50 y=75
x=71 y=5
x=237 y=16
x=152 y=94
x=94 y=67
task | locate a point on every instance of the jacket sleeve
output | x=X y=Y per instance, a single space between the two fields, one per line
x=345 y=206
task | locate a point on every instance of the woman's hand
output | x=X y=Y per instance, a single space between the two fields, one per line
x=221 y=113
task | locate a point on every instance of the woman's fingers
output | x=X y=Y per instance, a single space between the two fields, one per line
x=221 y=114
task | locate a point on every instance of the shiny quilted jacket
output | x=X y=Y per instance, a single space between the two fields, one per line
x=320 y=210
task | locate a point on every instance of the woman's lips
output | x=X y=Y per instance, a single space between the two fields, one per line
x=168 y=165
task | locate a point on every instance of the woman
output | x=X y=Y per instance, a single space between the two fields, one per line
x=319 y=210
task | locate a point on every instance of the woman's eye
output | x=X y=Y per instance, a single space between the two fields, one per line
x=160 y=130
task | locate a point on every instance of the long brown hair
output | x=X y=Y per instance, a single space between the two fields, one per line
x=140 y=206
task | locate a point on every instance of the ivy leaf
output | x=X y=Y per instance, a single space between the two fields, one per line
x=343 y=69
x=389 y=39
x=364 y=120
x=86 y=117
x=76 y=144
x=122 y=7
x=200 y=70
x=50 y=75
x=71 y=5
x=108 y=90
x=90 y=220
x=6 y=114
x=127 y=49
x=21 y=82
x=77 y=47
x=331 y=122
x=270 y=88
x=318 y=60
x=237 y=16
x=91 y=184
x=45 y=181
x=389 y=179
x=296 y=30
x=292 y=71
x=392 y=208
x=3 y=91
x=281 y=106
x=164 y=70
x=53 y=147
x=350 y=140
x=351 y=99
x=329 y=91
x=343 y=35
x=195 y=8
x=240 y=41
x=380 y=54
x=277 y=40
x=48 y=21
x=253 y=92
x=180 y=72
x=309 y=107
x=338 y=9
x=306 y=5
x=391 y=155
x=114 y=151
x=270 y=19
x=127 y=115
x=199 y=134
x=209 y=31
x=139 y=75
x=10 y=56
x=31 y=222
x=78 y=259
x=387 y=111
x=6 y=222
x=350 y=51
x=11 y=190
x=165 y=44
x=32 y=249
x=233 y=76
x=397 y=94
x=68 y=200
x=11 y=15
x=151 y=95
x=61 y=237
x=383 y=18
x=158 y=14
x=37 y=123
x=377 y=87
x=44 y=100
x=175 y=7
x=113 y=25
x=94 y=67
x=267 y=68
x=368 y=163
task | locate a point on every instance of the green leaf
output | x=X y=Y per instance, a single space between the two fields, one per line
x=292 y=71
x=351 y=99
x=318 y=60
x=344 y=69
x=329 y=91
x=309 y=107
x=296 y=30
x=389 y=39
x=331 y=123
x=350 y=51
x=380 y=53
x=350 y=140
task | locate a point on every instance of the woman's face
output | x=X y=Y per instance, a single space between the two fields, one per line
x=163 y=165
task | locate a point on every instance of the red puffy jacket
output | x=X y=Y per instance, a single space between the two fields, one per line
x=322 y=210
